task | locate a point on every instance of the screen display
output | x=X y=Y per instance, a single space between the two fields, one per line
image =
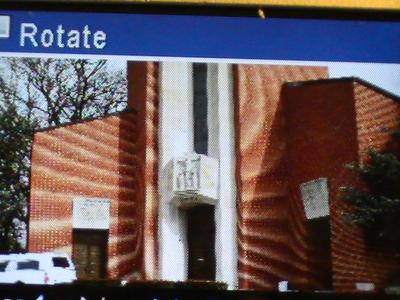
x=199 y=155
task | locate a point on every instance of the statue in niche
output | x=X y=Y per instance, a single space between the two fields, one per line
x=181 y=175
x=193 y=173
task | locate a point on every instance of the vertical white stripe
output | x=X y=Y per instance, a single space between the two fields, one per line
x=175 y=138
x=222 y=146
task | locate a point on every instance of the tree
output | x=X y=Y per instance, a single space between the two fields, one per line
x=56 y=91
x=376 y=209
x=16 y=139
x=41 y=92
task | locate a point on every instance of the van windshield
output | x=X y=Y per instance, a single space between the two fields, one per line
x=3 y=265
x=60 y=262
x=28 y=265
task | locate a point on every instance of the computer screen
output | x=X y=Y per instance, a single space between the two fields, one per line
x=198 y=152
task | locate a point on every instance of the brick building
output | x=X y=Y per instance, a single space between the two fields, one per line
x=273 y=131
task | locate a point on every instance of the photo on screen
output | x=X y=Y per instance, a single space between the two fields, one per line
x=275 y=175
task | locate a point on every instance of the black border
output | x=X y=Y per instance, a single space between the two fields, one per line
x=269 y=11
x=117 y=292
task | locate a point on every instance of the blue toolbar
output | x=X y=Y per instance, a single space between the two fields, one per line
x=199 y=36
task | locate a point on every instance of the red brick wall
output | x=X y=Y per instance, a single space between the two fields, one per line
x=94 y=159
x=264 y=256
x=355 y=261
x=321 y=135
x=114 y=157
x=143 y=94
x=377 y=115
x=328 y=125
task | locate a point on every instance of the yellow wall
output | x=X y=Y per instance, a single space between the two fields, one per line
x=363 y=4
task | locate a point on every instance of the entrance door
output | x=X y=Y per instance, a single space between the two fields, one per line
x=321 y=237
x=90 y=253
x=201 y=243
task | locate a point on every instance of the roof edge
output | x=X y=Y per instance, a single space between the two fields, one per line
x=344 y=79
x=71 y=123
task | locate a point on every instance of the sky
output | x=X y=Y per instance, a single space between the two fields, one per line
x=386 y=76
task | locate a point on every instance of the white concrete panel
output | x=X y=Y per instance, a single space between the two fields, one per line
x=222 y=146
x=175 y=138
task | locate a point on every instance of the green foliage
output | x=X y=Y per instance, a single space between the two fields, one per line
x=15 y=143
x=377 y=207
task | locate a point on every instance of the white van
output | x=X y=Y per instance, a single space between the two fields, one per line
x=36 y=268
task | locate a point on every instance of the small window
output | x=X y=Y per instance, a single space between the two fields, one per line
x=3 y=265
x=200 y=108
x=28 y=265
x=60 y=262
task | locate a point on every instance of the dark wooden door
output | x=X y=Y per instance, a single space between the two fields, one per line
x=321 y=240
x=90 y=253
x=201 y=243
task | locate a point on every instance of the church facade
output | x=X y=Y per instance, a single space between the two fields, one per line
x=218 y=172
